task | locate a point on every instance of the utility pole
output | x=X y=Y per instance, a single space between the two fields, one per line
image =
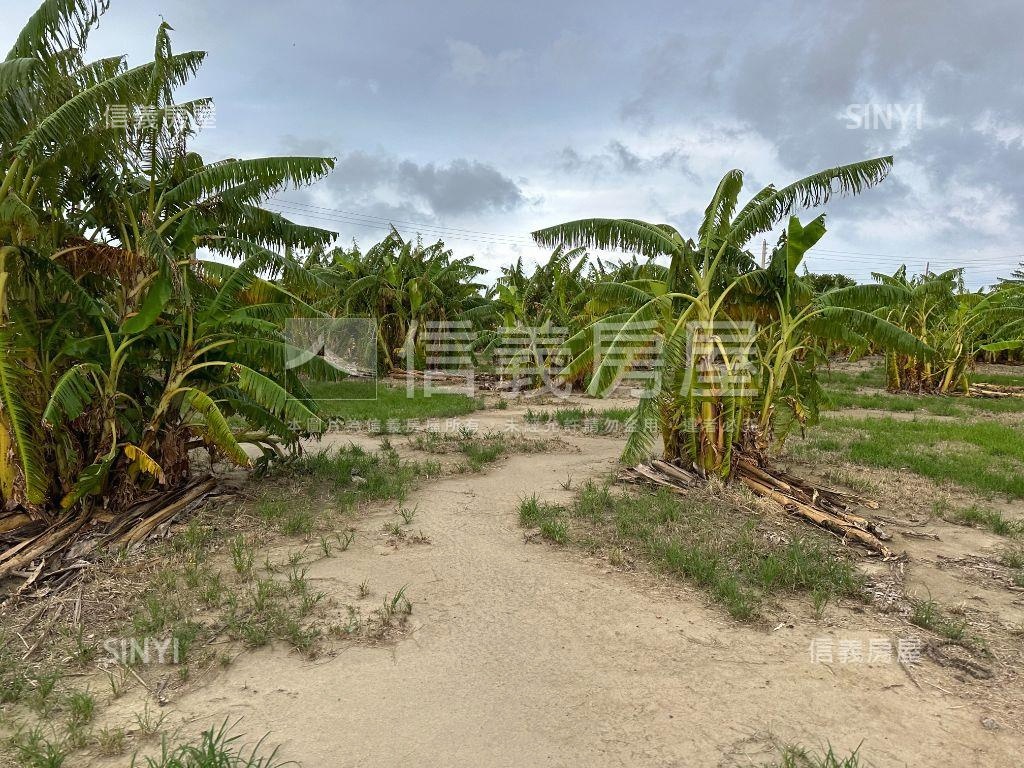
x=764 y=252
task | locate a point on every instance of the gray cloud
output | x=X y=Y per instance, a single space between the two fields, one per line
x=469 y=112
x=378 y=181
x=619 y=158
x=461 y=186
x=795 y=83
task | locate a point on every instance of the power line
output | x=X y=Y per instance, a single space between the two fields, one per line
x=389 y=220
x=967 y=260
x=387 y=227
x=379 y=222
x=371 y=221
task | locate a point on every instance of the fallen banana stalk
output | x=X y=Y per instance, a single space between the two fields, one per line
x=15 y=521
x=59 y=549
x=839 y=526
x=143 y=528
x=487 y=381
x=45 y=544
x=995 y=390
x=824 y=507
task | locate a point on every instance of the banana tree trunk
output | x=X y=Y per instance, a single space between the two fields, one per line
x=892 y=372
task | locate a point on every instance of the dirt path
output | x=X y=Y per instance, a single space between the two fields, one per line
x=529 y=655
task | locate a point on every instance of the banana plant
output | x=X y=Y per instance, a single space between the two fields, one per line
x=712 y=293
x=526 y=314
x=941 y=313
x=1000 y=317
x=404 y=285
x=121 y=350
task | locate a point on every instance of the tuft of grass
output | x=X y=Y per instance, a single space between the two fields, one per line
x=979 y=517
x=407 y=514
x=555 y=530
x=272 y=609
x=325 y=546
x=298 y=522
x=41 y=691
x=217 y=748
x=854 y=482
x=797 y=757
x=479 y=449
x=393 y=614
x=397 y=605
x=271 y=511
x=594 y=502
x=81 y=707
x=119 y=682
x=34 y=749
x=545 y=517
x=355 y=475
x=159 y=609
x=192 y=541
x=1013 y=558
x=298 y=580
x=149 y=723
x=110 y=742
x=480 y=453
x=14 y=680
x=243 y=555
x=928 y=615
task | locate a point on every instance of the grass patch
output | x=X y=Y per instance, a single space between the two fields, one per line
x=353 y=474
x=711 y=545
x=548 y=518
x=982 y=455
x=846 y=390
x=1013 y=559
x=206 y=583
x=999 y=378
x=35 y=748
x=991 y=519
x=255 y=605
x=376 y=400
x=14 y=675
x=883 y=401
x=873 y=377
x=606 y=421
x=479 y=449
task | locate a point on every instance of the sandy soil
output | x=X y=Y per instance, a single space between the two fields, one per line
x=525 y=654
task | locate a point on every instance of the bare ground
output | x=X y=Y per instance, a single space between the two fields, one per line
x=527 y=654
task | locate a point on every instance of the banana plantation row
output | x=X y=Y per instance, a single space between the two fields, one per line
x=144 y=292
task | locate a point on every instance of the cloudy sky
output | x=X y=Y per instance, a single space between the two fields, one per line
x=483 y=121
